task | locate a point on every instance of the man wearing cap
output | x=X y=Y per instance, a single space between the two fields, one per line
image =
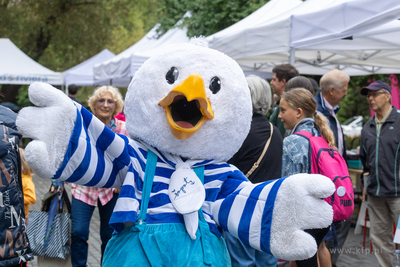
x=379 y=153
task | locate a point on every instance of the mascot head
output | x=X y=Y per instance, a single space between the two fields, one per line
x=190 y=101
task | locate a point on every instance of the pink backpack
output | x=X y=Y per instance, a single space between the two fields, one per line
x=327 y=161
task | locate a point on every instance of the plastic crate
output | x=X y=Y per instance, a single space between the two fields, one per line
x=354 y=164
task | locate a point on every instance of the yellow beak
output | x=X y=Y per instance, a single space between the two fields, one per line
x=187 y=107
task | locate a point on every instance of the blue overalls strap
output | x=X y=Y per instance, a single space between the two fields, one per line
x=203 y=225
x=199 y=171
x=151 y=163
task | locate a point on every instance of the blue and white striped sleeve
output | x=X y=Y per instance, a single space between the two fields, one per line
x=247 y=212
x=96 y=156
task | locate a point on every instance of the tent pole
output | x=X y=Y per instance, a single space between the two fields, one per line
x=291 y=56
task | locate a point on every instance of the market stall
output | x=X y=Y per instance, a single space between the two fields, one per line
x=17 y=68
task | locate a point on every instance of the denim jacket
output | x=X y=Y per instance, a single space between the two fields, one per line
x=295 y=158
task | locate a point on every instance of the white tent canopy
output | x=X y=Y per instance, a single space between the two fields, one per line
x=119 y=70
x=116 y=71
x=17 y=68
x=370 y=52
x=270 y=10
x=267 y=12
x=302 y=31
x=377 y=48
x=82 y=74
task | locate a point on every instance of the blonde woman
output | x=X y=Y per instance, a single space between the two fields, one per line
x=298 y=112
x=105 y=103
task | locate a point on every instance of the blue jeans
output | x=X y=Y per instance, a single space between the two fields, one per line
x=81 y=214
x=244 y=255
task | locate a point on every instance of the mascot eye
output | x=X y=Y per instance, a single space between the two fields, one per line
x=215 y=85
x=172 y=75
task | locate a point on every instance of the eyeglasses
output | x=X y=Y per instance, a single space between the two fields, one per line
x=101 y=102
x=374 y=95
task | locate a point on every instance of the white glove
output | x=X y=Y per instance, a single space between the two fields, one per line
x=50 y=125
x=298 y=206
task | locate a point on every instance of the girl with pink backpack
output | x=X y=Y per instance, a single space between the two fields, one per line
x=298 y=112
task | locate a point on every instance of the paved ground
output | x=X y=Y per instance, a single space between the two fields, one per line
x=351 y=255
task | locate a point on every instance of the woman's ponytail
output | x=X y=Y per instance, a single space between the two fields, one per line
x=326 y=132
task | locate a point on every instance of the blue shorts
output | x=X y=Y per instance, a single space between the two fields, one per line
x=165 y=245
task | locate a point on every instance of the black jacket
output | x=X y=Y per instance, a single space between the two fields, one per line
x=271 y=164
x=332 y=121
x=379 y=154
x=14 y=244
x=276 y=121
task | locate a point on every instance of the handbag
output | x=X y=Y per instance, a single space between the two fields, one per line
x=255 y=165
x=51 y=239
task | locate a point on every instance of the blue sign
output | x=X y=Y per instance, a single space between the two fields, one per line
x=21 y=78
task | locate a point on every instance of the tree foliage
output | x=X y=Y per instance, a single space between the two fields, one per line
x=207 y=17
x=60 y=34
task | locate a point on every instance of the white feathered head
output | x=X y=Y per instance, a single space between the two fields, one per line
x=191 y=101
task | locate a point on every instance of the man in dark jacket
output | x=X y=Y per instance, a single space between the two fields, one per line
x=333 y=89
x=379 y=153
x=72 y=91
x=14 y=244
x=282 y=74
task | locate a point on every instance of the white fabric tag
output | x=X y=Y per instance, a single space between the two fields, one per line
x=186 y=191
x=191 y=223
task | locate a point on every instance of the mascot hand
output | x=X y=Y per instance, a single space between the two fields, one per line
x=298 y=206
x=50 y=124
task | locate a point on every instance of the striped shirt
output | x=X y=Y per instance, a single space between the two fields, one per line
x=91 y=195
x=98 y=157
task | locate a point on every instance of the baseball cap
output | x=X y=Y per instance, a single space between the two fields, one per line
x=375 y=85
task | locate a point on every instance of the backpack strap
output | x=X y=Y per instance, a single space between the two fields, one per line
x=255 y=165
x=305 y=134
x=19 y=177
x=66 y=200
x=308 y=136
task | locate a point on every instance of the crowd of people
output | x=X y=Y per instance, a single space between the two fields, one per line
x=301 y=105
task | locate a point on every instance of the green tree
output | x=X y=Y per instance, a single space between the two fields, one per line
x=207 y=17
x=62 y=33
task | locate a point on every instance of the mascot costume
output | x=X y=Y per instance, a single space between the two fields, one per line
x=188 y=110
